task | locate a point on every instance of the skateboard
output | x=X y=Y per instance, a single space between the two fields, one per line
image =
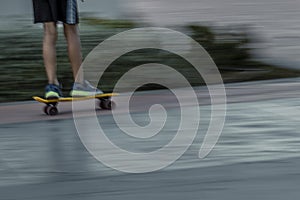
x=105 y=102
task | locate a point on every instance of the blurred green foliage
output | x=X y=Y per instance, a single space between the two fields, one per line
x=22 y=74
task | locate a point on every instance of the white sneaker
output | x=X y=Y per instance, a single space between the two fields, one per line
x=84 y=89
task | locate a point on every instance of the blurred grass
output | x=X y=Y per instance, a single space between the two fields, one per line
x=22 y=73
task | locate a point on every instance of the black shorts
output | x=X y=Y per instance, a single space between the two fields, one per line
x=65 y=11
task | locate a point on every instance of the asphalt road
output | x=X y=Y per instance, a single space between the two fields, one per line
x=257 y=156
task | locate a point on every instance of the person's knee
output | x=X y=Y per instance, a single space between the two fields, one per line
x=50 y=30
x=70 y=30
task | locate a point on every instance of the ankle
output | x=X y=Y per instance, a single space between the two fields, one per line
x=53 y=82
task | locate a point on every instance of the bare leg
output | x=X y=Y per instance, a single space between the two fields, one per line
x=49 y=51
x=74 y=51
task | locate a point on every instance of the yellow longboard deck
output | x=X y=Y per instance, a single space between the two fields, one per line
x=65 y=99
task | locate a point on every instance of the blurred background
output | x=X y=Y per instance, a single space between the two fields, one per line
x=254 y=40
x=256 y=47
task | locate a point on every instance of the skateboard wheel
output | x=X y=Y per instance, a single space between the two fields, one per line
x=46 y=109
x=52 y=110
x=107 y=104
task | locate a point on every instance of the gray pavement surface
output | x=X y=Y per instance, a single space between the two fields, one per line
x=257 y=156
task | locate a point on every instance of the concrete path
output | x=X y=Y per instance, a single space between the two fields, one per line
x=257 y=156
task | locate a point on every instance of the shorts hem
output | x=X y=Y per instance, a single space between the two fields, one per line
x=42 y=22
